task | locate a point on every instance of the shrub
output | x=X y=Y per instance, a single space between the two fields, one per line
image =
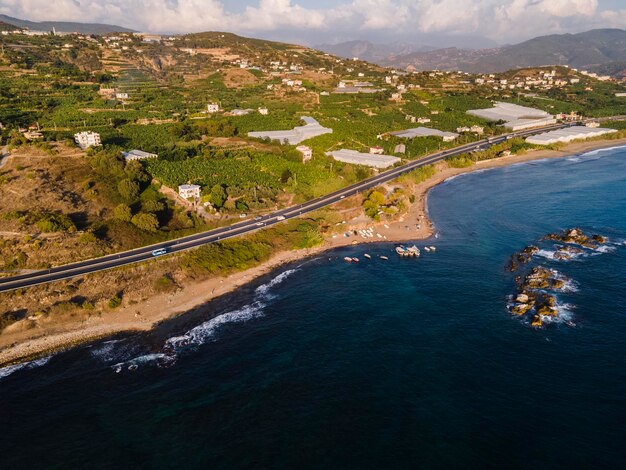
x=122 y=213
x=49 y=223
x=115 y=301
x=146 y=222
x=88 y=237
x=164 y=284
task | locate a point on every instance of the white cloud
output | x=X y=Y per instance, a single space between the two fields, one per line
x=501 y=20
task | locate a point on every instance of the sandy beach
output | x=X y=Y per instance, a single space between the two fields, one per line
x=26 y=344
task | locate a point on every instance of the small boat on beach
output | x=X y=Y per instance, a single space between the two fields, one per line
x=367 y=256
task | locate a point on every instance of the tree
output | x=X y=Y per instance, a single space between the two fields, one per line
x=128 y=189
x=147 y=222
x=122 y=213
x=152 y=206
x=286 y=175
x=372 y=204
x=134 y=171
x=217 y=197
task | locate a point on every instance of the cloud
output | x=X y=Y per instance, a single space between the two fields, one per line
x=501 y=20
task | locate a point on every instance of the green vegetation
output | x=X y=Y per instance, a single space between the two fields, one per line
x=237 y=255
x=115 y=301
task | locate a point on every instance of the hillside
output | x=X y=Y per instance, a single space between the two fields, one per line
x=591 y=49
x=64 y=26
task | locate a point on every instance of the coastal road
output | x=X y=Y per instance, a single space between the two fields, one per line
x=137 y=255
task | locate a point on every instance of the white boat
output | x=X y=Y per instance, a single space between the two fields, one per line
x=356 y=260
x=348 y=259
x=384 y=258
x=413 y=251
x=432 y=248
x=426 y=248
x=367 y=256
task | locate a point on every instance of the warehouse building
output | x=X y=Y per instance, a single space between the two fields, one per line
x=567 y=135
x=515 y=117
x=425 y=132
x=311 y=129
x=365 y=159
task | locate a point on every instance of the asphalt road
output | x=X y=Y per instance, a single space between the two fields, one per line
x=185 y=243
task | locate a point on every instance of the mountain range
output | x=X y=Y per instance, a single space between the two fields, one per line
x=65 y=26
x=370 y=52
x=600 y=49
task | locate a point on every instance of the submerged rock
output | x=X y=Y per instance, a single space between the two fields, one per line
x=536 y=321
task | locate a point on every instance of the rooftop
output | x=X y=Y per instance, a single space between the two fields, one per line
x=423 y=132
x=311 y=129
x=367 y=159
x=514 y=116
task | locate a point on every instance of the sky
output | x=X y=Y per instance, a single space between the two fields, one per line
x=469 y=23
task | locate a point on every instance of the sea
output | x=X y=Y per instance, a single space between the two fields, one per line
x=381 y=364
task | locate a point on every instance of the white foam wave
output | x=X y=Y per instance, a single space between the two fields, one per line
x=602 y=249
x=546 y=254
x=263 y=290
x=8 y=370
x=565 y=314
x=201 y=333
x=598 y=151
x=161 y=359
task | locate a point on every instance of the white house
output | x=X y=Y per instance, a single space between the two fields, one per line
x=187 y=191
x=87 y=139
x=307 y=152
x=121 y=96
x=212 y=108
x=138 y=155
x=377 y=150
x=263 y=111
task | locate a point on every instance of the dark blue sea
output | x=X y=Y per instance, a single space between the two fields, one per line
x=405 y=363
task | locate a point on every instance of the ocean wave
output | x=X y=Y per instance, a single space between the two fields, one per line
x=603 y=249
x=569 y=285
x=565 y=314
x=8 y=370
x=161 y=359
x=598 y=151
x=263 y=290
x=203 y=332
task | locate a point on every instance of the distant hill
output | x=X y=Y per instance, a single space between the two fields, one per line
x=591 y=49
x=64 y=26
x=370 y=52
x=8 y=27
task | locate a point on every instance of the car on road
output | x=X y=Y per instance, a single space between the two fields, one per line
x=258 y=217
x=159 y=252
x=259 y=224
x=280 y=217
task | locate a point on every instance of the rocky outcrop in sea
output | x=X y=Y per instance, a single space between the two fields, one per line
x=538 y=287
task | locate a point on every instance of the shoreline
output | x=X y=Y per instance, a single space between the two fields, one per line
x=414 y=225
